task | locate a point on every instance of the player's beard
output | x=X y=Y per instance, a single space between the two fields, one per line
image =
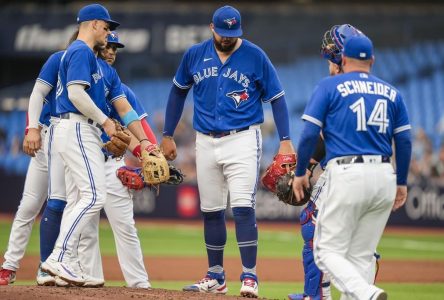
x=225 y=45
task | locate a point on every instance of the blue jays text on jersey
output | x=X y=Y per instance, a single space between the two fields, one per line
x=79 y=66
x=48 y=75
x=371 y=113
x=228 y=96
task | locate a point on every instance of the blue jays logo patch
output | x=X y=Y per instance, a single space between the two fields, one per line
x=238 y=96
x=230 y=22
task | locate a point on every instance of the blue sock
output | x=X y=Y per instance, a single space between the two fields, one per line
x=50 y=226
x=215 y=237
x=246 y=233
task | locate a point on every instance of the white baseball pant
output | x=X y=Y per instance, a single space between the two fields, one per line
x=350 y=223
x=79 y=145
x=119 y=211
x=229 y=164
x=35 y=194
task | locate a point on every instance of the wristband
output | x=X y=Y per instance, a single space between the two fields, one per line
x=311 y=167
x=130 y=117
x=137 y=151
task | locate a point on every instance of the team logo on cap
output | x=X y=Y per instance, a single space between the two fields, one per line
x=230 y=22
x=113 y=35
x=238 y=96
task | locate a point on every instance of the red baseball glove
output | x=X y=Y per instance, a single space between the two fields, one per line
x=131 y=177
x=282 y=164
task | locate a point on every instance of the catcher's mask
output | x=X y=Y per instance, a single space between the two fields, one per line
x=334 y=39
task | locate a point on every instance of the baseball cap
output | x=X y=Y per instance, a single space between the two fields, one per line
x=359 y=47
x=96 y=12
x=227 y=22
x=113 y=38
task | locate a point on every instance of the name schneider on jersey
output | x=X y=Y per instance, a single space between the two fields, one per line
x=350 y=87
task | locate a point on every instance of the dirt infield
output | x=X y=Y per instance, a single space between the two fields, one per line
x=289 y=270
x=191 y=269
x=111 y=293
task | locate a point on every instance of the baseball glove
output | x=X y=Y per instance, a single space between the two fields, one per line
x=155 y=168
x=176 y=175
x=281 y=165
x=119 y=142
x=131 y=177
x=284 y=190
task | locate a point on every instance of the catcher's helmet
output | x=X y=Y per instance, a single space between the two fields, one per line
x=334 y=40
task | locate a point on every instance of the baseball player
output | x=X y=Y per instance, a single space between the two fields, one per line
x=317 y=284
x=76 y=138
x=36 y=185
x=359 y=115
x=231 y=78
x=118 y=205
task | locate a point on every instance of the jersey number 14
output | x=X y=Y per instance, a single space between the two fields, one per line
x=378 y=117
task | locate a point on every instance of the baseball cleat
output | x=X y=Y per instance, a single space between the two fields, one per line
x=64 y=270
x=213 y=283
x=380 y=295
x=249 y=288
x=92 y=282
x=43 y=278
x=61 y=283
x=298 y=297
x=6 y=276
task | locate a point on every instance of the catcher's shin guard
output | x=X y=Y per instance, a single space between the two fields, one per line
x=314 y=285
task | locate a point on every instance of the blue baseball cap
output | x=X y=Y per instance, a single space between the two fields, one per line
x=113 y=38
x=96 y=12
x=359 y=47
x=227 y=22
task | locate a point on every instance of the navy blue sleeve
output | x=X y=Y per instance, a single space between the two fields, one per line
x=176 y=101
x=280 y=115
x=306 y=147
x=403 y=144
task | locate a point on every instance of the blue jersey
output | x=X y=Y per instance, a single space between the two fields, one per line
x=359 y=114
x=79 y=66
x=228 y=96
x=113 y=85
x=48 y=75
x=135 y=103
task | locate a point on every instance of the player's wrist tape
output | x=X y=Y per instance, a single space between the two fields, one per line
x=137 y=151
x=130 y=117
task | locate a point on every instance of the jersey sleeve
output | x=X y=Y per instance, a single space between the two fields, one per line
x=115 y=90
x=48 y=73
x=316 y=109
x=401 y=122
x=269 y=81
x=183 y=78
x=80 y=66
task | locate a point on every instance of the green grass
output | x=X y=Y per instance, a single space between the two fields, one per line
x=279 y=290
x=185 y=240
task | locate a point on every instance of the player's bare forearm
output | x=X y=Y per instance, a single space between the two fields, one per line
x=123 y=107
x=286 y=147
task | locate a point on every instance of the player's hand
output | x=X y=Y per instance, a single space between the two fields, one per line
x=32 y=142
x=144 y=144
x=286 y=147
x=109 y=127
x=401 y=197
x=300 y=183
x=168 y=147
